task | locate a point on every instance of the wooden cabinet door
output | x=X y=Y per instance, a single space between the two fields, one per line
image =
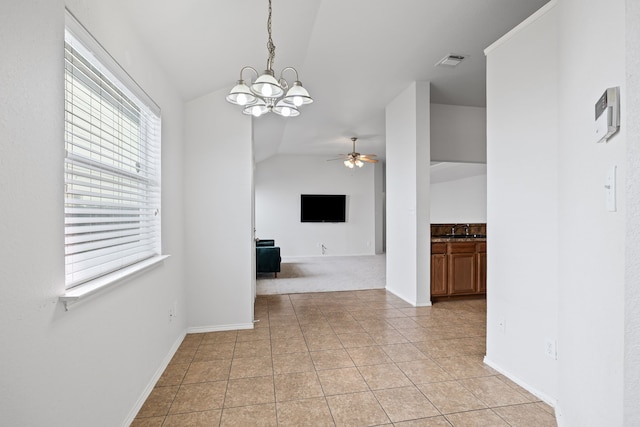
x=439 y=284
x=462 y=273
x=481 y=268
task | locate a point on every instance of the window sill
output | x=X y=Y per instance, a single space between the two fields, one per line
x=89 y=289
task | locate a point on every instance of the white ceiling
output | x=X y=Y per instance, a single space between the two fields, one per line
x=354 y=57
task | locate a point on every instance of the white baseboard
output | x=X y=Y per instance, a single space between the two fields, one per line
x=152 y=383
x=219 y=328
x=147 y=391
x=540 y=395
x=295 y=257
x=423 y=304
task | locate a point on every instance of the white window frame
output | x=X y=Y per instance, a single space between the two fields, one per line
x=112 y=170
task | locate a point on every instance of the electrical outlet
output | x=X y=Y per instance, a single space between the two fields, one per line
x=550 y=349
x=502 y=325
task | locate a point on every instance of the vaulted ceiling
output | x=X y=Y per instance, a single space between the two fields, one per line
x=354 y=57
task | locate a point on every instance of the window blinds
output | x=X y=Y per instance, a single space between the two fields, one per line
x=111 y=169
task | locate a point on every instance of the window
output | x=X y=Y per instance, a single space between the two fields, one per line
x=111 y=167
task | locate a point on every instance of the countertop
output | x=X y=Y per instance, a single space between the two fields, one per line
x=447 y=239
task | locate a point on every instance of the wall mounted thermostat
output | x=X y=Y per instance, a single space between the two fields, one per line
x=608 y=114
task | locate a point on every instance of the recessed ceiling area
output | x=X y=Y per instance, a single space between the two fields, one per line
x=450 y=171
x=354 y=57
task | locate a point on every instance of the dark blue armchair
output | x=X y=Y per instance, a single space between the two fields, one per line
x=267 y=257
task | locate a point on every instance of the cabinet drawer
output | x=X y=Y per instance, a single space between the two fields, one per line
x=481 y=247
x=438 y=248
x=462 y=248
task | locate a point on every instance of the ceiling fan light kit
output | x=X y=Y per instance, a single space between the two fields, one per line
x=350 y=163
x=268 y=94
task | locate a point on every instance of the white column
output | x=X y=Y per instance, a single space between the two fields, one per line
x=407 y=194
x=218 y=203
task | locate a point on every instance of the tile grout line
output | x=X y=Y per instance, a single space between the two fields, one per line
x=226 y=388
x=315 y=370
x=179 y=385
x=273 y=374
x=355 y=303
x=409 y=379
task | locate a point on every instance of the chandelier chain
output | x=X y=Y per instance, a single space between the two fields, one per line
x=270 y=46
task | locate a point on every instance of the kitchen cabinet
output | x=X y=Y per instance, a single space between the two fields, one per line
x=458 y=268
x=462 y=268
x=481 y=267
x=439 y=285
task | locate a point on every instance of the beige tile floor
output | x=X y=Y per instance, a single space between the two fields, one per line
x=357 y=358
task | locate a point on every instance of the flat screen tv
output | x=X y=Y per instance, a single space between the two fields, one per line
x=323 y=208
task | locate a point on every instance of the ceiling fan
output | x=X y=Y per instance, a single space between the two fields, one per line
x=356 y=159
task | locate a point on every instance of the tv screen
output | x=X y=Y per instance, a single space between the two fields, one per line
x=323 y=208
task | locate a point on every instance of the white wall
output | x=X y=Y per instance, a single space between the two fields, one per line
x=279 y=182
x=458 y=133
x=407 y=194
x=592 y=240
x=379 y=175
x=218 y=210
x=522 y=206
x=543 y=112
x=631 y=390
x=459 y=201
x=93 y=364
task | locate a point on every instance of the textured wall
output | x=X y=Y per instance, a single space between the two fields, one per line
x=92 y=365
x=219 y=227
x=522 y=203
x=458 y=133
x=592 y=239
x=632 y=258
x=281 y=179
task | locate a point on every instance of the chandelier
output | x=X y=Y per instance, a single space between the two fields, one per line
x=267 y=94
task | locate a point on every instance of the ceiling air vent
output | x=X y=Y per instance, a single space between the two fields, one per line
x=451 y=60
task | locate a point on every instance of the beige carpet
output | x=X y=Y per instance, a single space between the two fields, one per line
x=325 y=274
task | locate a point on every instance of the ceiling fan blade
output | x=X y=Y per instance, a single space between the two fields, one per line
x=368 y=155
x=364 y=159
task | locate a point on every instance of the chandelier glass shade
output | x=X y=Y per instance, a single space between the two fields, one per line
x=266 y=93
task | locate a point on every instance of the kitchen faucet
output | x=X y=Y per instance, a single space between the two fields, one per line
x=455 y=227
